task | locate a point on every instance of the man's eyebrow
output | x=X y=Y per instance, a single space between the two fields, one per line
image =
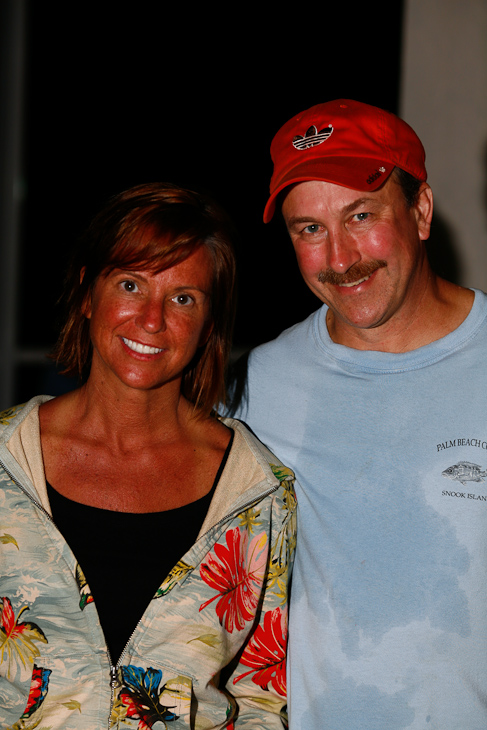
x=298 y=219
x=344 y=211
x=355 y=204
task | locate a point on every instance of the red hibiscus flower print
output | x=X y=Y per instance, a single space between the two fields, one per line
x=236 y=571
x=17 y=639
x=266 y=653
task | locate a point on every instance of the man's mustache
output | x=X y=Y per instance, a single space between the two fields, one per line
x=356 y=272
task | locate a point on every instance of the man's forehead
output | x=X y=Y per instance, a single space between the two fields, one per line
x=313 y=194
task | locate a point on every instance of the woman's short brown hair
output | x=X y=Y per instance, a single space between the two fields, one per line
x=154 y=227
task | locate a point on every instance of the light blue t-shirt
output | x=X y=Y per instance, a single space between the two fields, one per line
x=388 y=625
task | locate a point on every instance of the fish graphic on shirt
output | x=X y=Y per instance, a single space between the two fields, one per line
x=465 y=471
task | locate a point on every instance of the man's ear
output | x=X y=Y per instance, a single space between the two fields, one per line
x=86 y=305
x=424 y=211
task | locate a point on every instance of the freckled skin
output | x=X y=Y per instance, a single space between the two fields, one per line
x=168 y=311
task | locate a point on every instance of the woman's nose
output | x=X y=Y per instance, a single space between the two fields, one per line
x=151 y=316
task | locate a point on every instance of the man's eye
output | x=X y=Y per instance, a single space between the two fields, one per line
x=129 y=285
x=182 y=299
x=312 y=228
x=361 y=216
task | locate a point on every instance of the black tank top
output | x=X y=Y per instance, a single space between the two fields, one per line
x=125 y=556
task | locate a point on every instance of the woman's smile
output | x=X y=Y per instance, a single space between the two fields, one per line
x=140 y=348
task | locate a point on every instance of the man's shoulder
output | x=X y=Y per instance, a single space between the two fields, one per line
x=268 y=369
x=297 y=336
x=472 y=330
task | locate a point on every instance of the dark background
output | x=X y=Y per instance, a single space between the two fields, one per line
x=117 y=97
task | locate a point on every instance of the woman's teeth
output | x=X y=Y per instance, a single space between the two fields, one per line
x=142 y=349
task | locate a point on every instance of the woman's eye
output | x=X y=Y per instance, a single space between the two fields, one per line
x=182 y=299
x=129 y=285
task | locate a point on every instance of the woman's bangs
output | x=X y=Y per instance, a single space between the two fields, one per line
x=151 y=250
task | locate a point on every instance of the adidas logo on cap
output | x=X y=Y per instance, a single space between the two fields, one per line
x=312 y=138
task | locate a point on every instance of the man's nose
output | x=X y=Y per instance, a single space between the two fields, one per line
x=342 y=251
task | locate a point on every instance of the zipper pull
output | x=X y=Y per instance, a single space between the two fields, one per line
x=113 y=677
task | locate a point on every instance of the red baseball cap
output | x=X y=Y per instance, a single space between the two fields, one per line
x=344 y=142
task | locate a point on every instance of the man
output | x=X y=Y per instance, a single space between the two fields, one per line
x=378 y=401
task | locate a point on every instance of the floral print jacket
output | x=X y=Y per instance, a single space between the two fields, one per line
x=209 y=651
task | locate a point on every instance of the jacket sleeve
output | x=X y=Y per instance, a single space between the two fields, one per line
x=258 y=682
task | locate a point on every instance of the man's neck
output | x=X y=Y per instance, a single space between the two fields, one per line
x=441 y=310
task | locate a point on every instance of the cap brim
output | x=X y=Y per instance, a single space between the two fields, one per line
x=358 y=173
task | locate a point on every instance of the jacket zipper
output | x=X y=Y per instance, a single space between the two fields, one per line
x=113 y=685
x=24 y=490
x=245 y=506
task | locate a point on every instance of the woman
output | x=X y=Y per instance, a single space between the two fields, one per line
x=182 y=523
